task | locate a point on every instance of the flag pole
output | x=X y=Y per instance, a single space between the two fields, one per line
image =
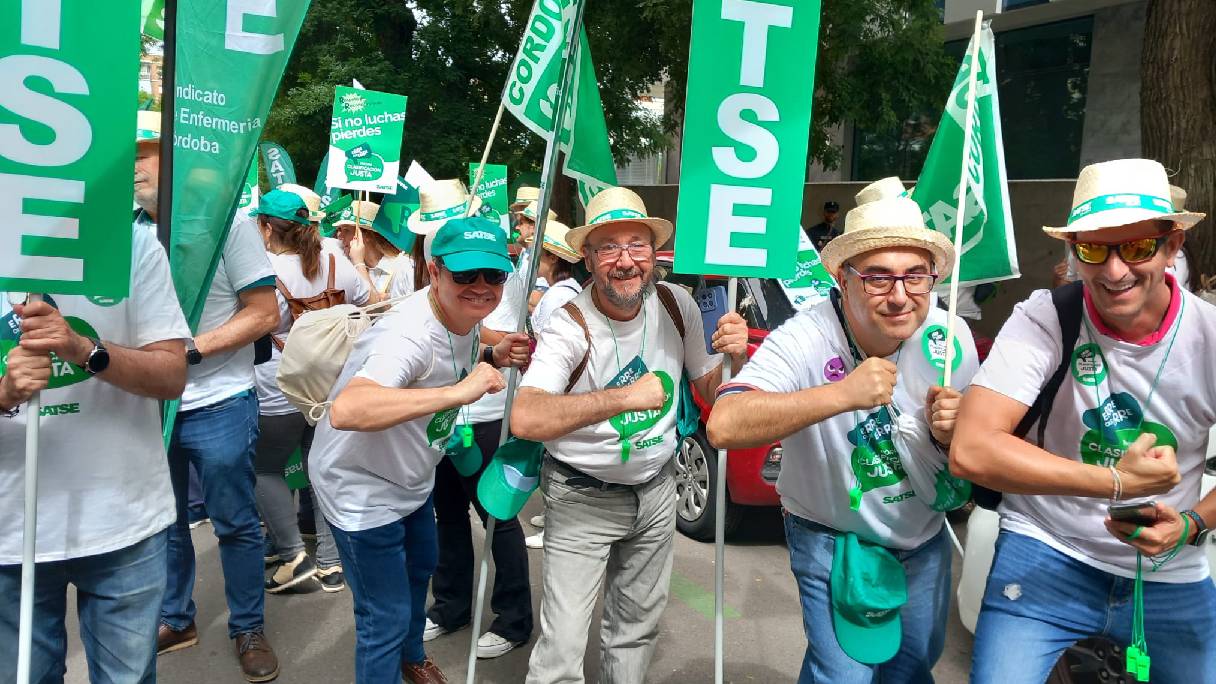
x=732 y=289
x=25 y=633
x=485 y=154
x=548 y=175
x=959 y=218
x=168 y=73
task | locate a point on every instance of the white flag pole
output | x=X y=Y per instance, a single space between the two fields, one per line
x=485 y=154
x=732 y=288
x=548 y=174
x=26 y=620
x=959 y=218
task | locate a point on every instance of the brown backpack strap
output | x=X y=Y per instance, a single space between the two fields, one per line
x=577 y=315
x=330 y=284
x=672 y=306
x=278 y=283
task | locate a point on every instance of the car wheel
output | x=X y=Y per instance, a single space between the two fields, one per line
x=1091 y=661
x=696 y=467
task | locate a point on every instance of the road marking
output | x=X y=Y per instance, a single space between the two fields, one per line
x=692 y=595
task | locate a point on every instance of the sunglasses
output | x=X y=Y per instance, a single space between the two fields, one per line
x=492 y=276
x=1131 y=252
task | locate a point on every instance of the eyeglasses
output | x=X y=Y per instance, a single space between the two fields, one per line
x=492 y=276
x=638 y=251
x=1131 y=252
x=881 y=283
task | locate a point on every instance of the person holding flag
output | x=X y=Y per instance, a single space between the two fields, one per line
x=851 y=387
x=104 y=495
x=1112 y=380
x=606 y=414
x=394 y=412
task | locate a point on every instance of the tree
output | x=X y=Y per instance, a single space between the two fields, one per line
x=1178 y=108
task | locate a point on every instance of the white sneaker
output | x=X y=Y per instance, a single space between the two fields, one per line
x=434 y=631
x=538 y=521
x=535 y=541
x=490 y=645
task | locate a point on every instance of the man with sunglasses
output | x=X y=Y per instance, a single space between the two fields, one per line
x=601 y=393
x=1134 y=396
x=394 y=411
x=852 y=389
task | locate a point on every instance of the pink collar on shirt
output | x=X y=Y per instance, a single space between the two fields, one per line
x=1153 y=338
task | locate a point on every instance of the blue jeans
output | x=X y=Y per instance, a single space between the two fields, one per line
x=218 y=440
x=118 y=597
x=388 y=569
x=1038 y=602
x=923 y=617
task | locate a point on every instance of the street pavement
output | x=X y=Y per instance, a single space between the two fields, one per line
x=313 y=633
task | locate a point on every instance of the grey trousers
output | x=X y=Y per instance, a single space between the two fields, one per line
x=623 y=536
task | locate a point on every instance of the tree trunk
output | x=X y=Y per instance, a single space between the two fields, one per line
x=1178 y=109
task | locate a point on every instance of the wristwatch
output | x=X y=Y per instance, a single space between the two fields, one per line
x=193 y=356
x=1202 y=535
x=99 y=358
x=487 y=355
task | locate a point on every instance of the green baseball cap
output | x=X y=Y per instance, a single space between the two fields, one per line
x=868 y=588
x=511 y=477
x=467 y=244
x=283 y=205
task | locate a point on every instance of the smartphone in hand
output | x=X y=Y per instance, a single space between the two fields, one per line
x=1136 y=513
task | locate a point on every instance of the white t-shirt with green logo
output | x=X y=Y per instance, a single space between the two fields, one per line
x=103 y=479
x=1100 y=409
x=364 y=480
x=822 y=462
x=596 y=449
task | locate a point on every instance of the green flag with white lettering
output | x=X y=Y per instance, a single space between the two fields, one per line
x=152 y=18
x=532 y=88
x=277 y=162
x=989 y=252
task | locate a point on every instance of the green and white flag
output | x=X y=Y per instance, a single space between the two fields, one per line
x=394 y=210
x=277 y=162
x=365 y=140
x=250 y=190
x=493 y=191
x=811 y=283
x=152 y=18
x=989 y=252
x=532 y=88
x=67 y=148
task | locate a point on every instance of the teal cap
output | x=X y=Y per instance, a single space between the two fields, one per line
x=868 y=587
x=511 y=477
x=283 y=205
x=467 y=244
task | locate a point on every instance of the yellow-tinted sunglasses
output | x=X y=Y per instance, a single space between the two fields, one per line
x=1131 y=252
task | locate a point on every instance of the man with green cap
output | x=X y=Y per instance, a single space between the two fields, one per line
x=393 y=413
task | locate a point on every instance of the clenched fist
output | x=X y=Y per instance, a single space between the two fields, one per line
x=514 y=349
x=27 y=372
x=941 y=410
x=647 y=394
x=870 y=385
x=1146 y=469
x=485 y=379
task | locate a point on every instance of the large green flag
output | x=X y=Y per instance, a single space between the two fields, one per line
x=277 y=162
x=152 y=18
x=532 y=88
x=394 y=210
x=989 y=252
x=230 y=58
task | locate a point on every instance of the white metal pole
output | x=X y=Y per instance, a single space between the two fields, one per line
x=732 y=287
x=485 y=154
x=25 y=626
x=972 y=81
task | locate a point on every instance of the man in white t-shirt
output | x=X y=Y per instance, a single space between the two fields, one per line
x=1134 y=398
x=104 y=498
x=216 y=429
x=852 y=388
x=601 y=394
x=394 y=412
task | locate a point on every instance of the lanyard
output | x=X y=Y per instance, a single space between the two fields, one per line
x=466 y=430
x=616 y=347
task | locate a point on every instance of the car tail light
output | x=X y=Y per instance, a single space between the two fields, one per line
x=772 y=464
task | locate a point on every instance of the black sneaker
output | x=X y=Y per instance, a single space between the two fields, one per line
x=331 y=579
x=287 y=575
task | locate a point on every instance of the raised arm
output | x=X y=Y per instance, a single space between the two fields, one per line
x=365 y=405
x=541 y=416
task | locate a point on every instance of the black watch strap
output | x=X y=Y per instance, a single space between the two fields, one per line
x=99 y=358
x=487 y=355
x=1200 y=526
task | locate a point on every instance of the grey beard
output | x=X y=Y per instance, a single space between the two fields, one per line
x=627 y=301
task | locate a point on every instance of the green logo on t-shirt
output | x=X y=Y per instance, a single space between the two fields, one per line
x=933 y=343
x=875 y=461
x=1088 y=365
x=1113 y=426
x=101 y=300
x=440 y=427
x=62 y=372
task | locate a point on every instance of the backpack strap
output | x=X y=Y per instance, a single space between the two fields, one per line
x=671 y=305
x=577 y=314
x=329 y=285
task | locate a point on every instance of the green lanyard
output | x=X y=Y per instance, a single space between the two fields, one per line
x=466 y=430
x=616 y=347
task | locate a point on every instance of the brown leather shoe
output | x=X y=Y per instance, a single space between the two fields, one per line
x=169 y=640
x=258 y=661
x=426 y=672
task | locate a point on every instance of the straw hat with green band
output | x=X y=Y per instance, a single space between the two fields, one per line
x=555 y=241
x=311 y=199
x=1119 y=193
x=891 y=186
x=615 y=206
x=529 y=212
x=885 y=223
x=467 y=244
x=361 y=214
x=439 y=202
x=510 y=478
x=868 y=588
x=523 y=195
x=281 y=204
x=147 y=126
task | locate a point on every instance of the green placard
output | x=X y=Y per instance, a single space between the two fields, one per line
x=365 y=140
x=493 y=191
x=811 y=283
x=751 y=77
x=68 y=78
x=294 y=472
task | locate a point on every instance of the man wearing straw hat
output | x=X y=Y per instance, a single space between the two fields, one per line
x=852 y=389
x=600 y=394
x=104 y=498
x=1123 y=409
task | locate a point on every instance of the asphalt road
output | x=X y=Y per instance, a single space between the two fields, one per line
x=313 y=633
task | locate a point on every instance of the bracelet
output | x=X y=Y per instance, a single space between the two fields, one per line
x=1117 y=492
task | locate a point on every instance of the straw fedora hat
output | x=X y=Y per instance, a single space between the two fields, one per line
x=311 y=199
x=555 y=241
x=360 y=214
x=614 y=206
x=530 y=212
x=523 y=195
x=1122 y=192
x=147 y=126
x=883 y=223
x=438 y=202
x=891 y=186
